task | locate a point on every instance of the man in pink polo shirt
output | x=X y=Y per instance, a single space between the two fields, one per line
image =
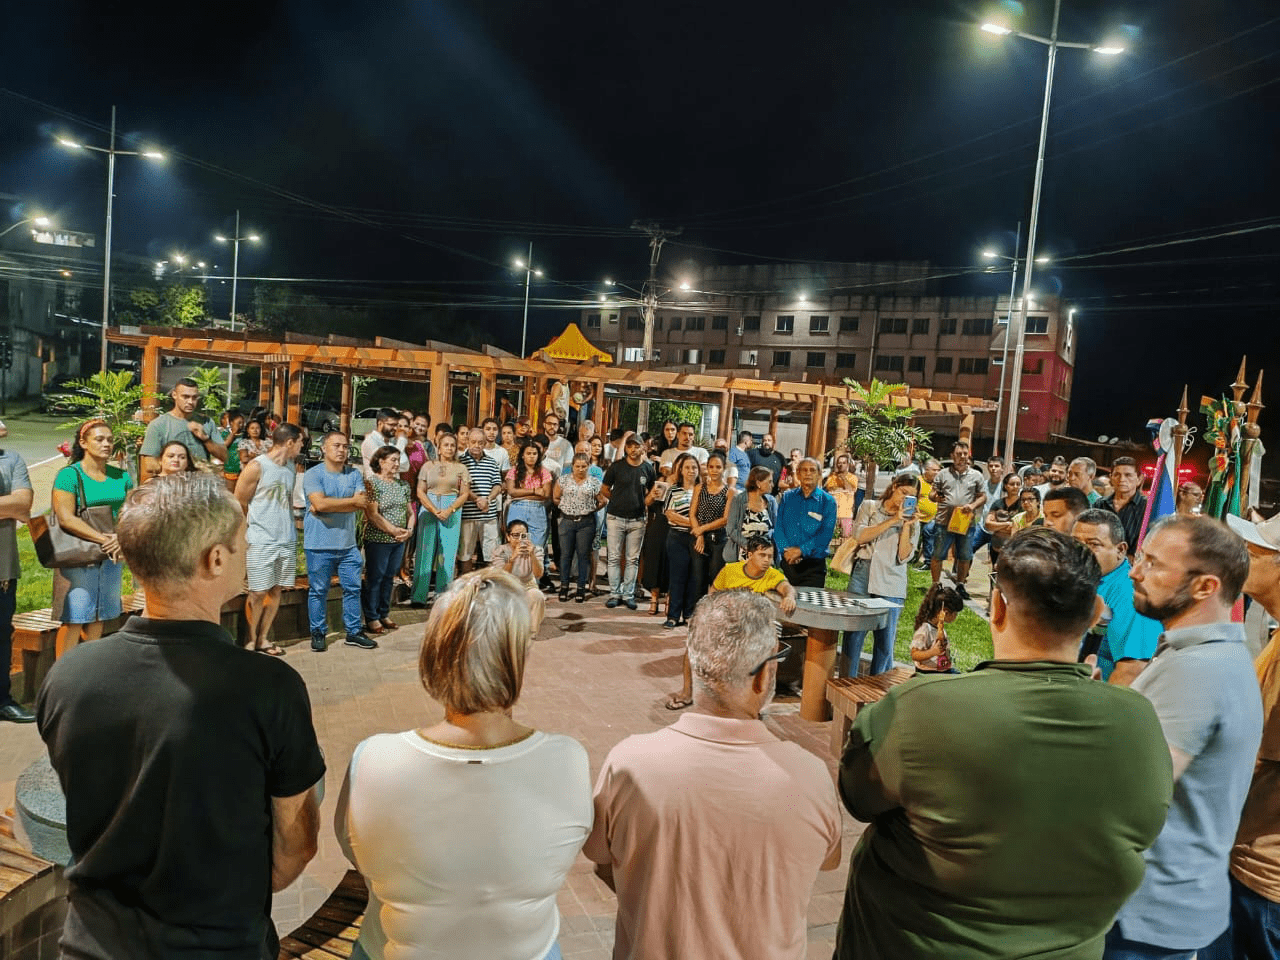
x=712 y=831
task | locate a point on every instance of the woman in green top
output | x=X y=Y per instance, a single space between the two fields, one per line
x=83 y=597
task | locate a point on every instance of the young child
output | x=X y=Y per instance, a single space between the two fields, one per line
x=929 y=647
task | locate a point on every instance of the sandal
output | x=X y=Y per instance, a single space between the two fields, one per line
x=389 y=624
x=678 y=701
x=373 y=626
x=655 y=604
x=270 y=650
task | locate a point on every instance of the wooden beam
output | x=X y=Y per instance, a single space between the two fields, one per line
x=773 y=423
x=150 y=379
x=279 y=388
x=488 y=395
x=726 y=415
x=437 y=403
x=264 y=384
x=293 y=407
x=346 y=402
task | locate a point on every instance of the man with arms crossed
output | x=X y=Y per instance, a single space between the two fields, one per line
x=1202 y=683
x=1022 y=836
x=189 y=764
x=712 y=831
x=200 y=437
x=265 y=493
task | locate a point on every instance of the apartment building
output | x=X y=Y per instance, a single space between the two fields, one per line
x=828 y=322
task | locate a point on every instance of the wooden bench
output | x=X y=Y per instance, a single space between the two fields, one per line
x=32 y=899
x=847 y=694
x=333 y=929
x=35 y=632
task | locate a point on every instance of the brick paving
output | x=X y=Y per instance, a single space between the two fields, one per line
x=597 y=675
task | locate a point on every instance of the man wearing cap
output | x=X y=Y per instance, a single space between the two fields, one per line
x=1255 y=857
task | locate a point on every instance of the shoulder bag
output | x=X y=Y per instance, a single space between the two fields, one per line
x=56 y=547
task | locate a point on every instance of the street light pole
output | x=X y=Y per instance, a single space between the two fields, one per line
x=524 y=326
x=234 y=240
x=1008 y=327
x=106 y=257
x=1053 y=43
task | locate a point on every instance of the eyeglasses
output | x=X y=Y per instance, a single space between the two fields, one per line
x=783 y=650
x=519 y=536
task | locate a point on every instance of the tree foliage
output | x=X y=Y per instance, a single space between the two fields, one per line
x=115 y=398
x=660 y=411
x=212 y=382
x=879 y=432
x=166 y=305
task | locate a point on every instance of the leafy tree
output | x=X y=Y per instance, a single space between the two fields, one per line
x=660 y=411
x=166 y=305
x=880 y=432
x=212 y=382
x=116 y=399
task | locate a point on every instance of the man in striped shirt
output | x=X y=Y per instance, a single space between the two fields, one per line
x=480 y=512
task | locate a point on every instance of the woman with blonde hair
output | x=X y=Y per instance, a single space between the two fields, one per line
x=465 y=830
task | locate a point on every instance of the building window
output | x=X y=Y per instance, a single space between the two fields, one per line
x=920 y=325
x=613 y=318
x=1037 y=324
x=593 y=320
x=893 y=324
x=691 y=356
x=634 y=322
x=846 y=361
x=748 y=358
x=1033 y=367
x=947 y=327
x=720 y=323
x=696 y=323
x=716 y=357
x=751 y=324
x=973 y=364
x=848 y=324
x=784 y=324
x=782 y=358
x=915 y=365
x=977 y=326
x=815 y=358
x=633 y=354
x=819 y=325
x=675 y=323
x=942 y=365
x=889 y=363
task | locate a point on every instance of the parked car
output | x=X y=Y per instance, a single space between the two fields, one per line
x=363 y=421
x=54 y=398
x=320 y=415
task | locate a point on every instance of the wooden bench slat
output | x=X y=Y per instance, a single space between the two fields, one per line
x=334 y=928
x=323 y=941
x=847 y=694
x=291 y=947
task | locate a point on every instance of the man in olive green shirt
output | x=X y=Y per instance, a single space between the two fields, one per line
x=1009 y=807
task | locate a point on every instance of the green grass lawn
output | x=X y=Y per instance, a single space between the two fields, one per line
x=970 y=635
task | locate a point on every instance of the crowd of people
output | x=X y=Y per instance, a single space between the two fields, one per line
x=1105 y=786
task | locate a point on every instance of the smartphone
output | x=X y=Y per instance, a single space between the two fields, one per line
x=909 y=506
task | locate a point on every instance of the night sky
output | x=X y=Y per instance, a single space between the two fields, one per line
x=430 y=142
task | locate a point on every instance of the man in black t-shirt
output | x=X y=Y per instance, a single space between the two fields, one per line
x=766 y=456
x=188 y=763
x=627 y=484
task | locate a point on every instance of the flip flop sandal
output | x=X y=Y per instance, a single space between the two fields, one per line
x=270 y=650
x=677 y=702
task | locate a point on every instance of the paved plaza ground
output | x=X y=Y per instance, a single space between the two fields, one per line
x=597 y=675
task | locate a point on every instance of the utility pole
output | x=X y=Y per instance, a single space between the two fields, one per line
x=657 y=237
x=106 y=257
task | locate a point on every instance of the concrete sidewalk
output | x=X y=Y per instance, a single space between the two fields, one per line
x=597 y=675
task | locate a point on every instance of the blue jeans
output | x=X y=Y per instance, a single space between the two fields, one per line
x=883 y=637
x=944 y=538
x=1254 y=933
x=681 y=595
x=1118 y=948
x=926 y=539
x=382 y=563
x=624 y=535
x=576 y=538
x=320 y=568
x=534 y=513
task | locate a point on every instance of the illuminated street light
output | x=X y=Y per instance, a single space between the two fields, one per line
x=38 y=221
x=1053 y=43
x=235 y=277
x=111 y=152
x=529 y=272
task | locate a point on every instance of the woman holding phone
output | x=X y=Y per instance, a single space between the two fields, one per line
x=886 y=532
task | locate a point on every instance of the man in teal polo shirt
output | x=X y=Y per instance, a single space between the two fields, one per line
x=1008 y=807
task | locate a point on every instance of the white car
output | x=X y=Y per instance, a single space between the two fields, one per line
x=363 y=421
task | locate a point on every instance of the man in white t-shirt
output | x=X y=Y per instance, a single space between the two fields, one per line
x=716 y=788
x=684 y=444
x=382 y=435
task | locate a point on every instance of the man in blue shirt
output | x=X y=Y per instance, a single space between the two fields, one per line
x=739 y=457
x=335 y=494
x=805 y=525
x=1127 y=639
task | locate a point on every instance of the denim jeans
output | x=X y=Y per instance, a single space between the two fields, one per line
x=382 y=563
x=707 y=565
x=534 y=513
x=623 y=535
x=1118 y=948
x=883 y=637
x=8 y=603
x=926 y=540
x=576 y=537
x=358 y=952
x=680 y=592
x=320 y=568
x=1254 y=933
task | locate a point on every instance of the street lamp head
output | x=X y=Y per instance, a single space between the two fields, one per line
x=153 y=154
x=1044 y=259
x=70 y=143
x=220 y=238
x=684 y=285
x=179 y=258
x=41 y=221
x=989 y=254
x=803 y=298
x=200 y=264
x=253 y=238
x=518 y=263
x=608 y=282
x=997 y=29
x=537 y=273
x=603 y=299
x=1108 y=50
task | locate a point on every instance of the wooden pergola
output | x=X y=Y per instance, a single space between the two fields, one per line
x=283 y=362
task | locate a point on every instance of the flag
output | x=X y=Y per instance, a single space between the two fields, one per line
x=1163 y=498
